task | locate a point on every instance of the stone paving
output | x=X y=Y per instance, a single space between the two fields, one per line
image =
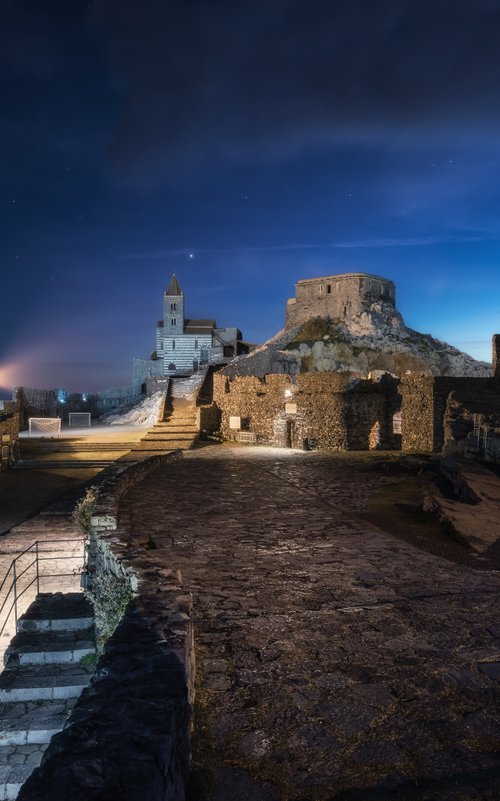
x=334 y=661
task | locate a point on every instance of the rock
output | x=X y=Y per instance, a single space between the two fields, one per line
x=255 y=745
x=375 y=340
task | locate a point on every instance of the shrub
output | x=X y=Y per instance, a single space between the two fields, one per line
x=83 y=509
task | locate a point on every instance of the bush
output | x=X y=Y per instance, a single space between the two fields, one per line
x=83 y=509
x=110 y=597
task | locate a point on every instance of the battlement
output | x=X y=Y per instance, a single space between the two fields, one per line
x=339 y=296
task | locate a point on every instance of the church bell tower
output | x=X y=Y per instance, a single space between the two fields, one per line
x=173 y=309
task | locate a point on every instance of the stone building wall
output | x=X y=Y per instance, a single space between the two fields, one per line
x=327 y=410
x=338 y=296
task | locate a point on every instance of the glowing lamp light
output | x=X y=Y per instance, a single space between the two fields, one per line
x=288 y=393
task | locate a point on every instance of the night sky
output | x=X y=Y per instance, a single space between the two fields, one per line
x=243 y=146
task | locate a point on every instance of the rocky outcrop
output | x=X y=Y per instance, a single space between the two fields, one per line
x=376 y=339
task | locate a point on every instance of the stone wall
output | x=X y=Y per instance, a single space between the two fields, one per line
x=417 y=413
x=496 y=355
x=325 y=410
x=9 y=436
x=128 y=735
x=426 y=423
x=32 y=402
x=143 y=369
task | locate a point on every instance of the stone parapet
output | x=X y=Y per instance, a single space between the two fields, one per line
x=129 y=733
x=117 y=483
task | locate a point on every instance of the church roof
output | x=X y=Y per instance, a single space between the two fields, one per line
x=199 y=326
x=173 y=287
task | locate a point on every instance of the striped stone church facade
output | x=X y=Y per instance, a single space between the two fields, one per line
x=183 y=345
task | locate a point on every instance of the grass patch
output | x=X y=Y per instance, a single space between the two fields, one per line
x=89 y=660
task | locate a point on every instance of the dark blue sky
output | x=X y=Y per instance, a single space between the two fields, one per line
x=272 y=140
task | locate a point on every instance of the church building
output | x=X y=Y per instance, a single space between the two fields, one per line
x=183 y=345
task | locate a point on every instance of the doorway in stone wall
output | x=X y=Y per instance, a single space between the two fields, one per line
x=290 y=434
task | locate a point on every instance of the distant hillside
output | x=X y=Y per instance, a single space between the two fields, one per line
x=377 y=339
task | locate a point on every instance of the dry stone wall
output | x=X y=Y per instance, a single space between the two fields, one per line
x=327 y=410
x=428 y=417
x=496 y=355
x=9 y=436
x=417 y=413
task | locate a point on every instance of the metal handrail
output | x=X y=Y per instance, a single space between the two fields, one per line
x=13 y=571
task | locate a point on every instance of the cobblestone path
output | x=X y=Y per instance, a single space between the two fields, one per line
x=335 y=661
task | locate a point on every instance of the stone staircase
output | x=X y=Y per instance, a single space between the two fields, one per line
x=41 y=682
x=186 y=387
x=70 y=453
x=178 y=431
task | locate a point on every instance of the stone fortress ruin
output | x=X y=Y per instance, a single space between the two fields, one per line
x=338 y=296
x=312 y=384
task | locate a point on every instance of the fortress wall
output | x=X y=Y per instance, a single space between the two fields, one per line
x=326 y=409
x=9 y=436
x=426 y=408
x=496 y=355
x=417 y=413
x=337 y=296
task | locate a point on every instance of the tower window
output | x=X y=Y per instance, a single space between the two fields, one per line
x=196 y=344
x=173 y=321
x=321 y=289
x=328 y=289
x=173 y=306
x=173 y=344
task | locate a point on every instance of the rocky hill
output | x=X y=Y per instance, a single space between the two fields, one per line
x=377 y=339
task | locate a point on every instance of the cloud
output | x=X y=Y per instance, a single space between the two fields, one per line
x=221 y=81
x=397 y=242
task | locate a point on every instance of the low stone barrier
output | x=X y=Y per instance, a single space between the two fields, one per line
x=128 y=735
x=120 y=479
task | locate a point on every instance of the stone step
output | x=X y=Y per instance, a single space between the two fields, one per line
x=167 y=436
x=48 y=648
x=180 y=421
x=66 y=464
x=167 y=445
x=28 y=450
x=43 y=682
x=28 y=722
x=12 y=778
x=181 y=425
x=57 y=612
